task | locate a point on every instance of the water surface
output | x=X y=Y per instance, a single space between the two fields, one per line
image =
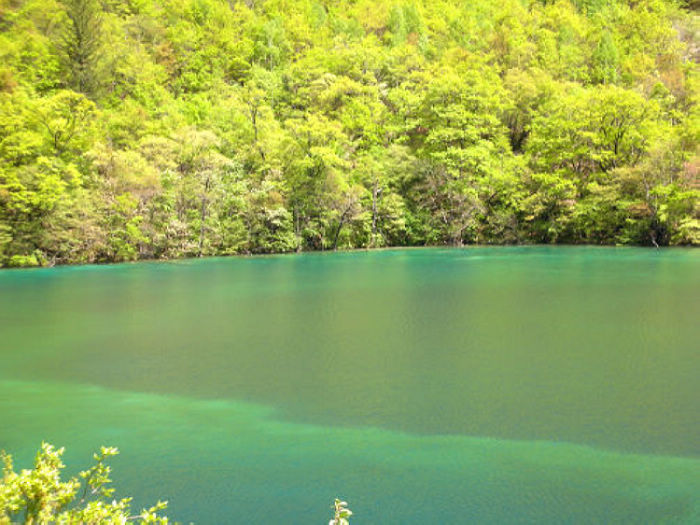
x=485 y=385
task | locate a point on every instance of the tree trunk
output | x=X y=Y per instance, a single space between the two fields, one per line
x=202 y=216
x=340 y=227
x=297 y=227
x=375 y=194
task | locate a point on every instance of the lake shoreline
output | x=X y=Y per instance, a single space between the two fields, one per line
x=344 y=250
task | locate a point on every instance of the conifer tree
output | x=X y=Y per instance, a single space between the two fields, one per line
x=80 y=44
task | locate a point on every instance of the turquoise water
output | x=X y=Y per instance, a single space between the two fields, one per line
x=484 y=385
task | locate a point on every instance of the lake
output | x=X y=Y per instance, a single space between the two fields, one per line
x=476 y=385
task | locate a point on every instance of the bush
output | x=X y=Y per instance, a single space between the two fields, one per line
x=39 y=496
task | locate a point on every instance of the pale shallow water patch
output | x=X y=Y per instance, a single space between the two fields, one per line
x=171 y=446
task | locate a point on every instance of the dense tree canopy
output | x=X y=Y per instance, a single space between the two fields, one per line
x=137 y=129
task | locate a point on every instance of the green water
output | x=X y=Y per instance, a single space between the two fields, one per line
x=484 y=385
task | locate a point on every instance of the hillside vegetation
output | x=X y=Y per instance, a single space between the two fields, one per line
x=134 y=129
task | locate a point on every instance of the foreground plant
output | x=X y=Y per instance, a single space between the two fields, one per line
x=38 y=495
x=342 y=513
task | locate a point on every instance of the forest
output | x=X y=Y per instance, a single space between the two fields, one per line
x=154 y=129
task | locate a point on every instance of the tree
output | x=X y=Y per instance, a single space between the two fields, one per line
x=38 y=495
x=81 y=45
x=592 y=131
x=201 y=166
x=462 y=141
x=41 y=142
x=606 y=60
x=314 y=172
x=662 y=203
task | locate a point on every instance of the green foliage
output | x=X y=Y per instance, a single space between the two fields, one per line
x=341 y=513
x=38 y=495
x=159 y=129
x=80 y=44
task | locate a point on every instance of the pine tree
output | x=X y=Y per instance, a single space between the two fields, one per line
x=81 y=46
